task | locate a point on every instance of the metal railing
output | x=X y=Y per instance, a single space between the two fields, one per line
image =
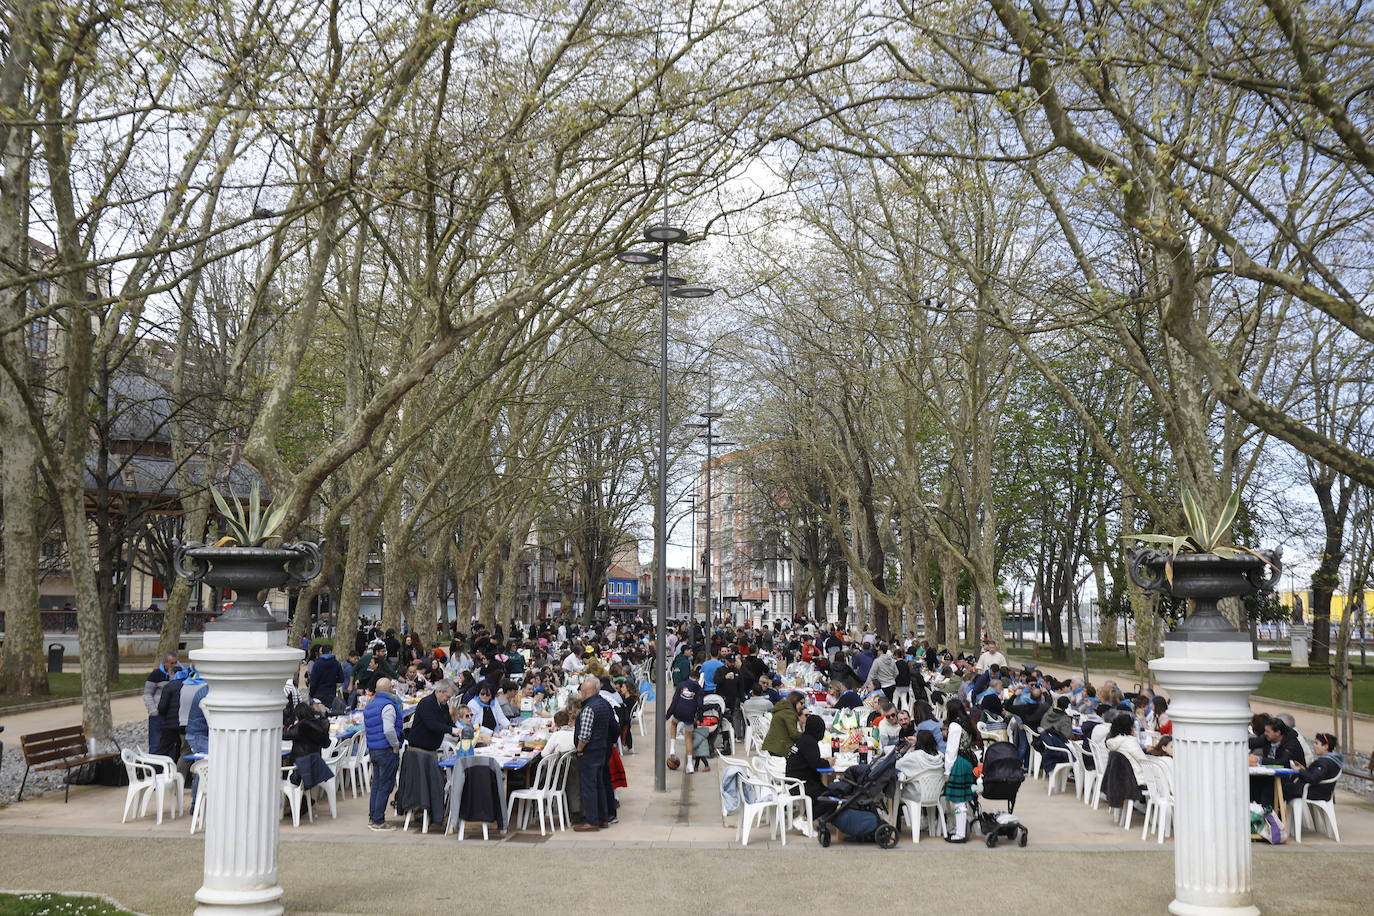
x=125 y=621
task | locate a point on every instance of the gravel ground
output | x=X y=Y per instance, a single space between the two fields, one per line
x=1360 y=764
x=133 y=734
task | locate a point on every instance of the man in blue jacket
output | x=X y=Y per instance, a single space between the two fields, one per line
x=382 y=724
x=326 y=676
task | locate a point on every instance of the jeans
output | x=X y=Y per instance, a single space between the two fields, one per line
x=385 y=762
x=154 y=733
x=594 y=780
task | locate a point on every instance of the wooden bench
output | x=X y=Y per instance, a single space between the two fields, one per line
x=59 y=749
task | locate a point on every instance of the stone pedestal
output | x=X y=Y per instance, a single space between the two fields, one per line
x=1300 y=638
x=246 y=669
x=1209 y=685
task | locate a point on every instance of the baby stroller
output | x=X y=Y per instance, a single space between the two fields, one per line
x=862 y=799
x=1002 y=778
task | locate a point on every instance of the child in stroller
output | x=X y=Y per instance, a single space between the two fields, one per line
x=1002 y=778
x=858 y=804
x=707 y=731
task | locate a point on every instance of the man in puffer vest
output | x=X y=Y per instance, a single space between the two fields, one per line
x=382 y=724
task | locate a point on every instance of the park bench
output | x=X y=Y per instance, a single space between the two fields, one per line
x=59 y=749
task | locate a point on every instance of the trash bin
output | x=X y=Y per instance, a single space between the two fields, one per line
x=55 y=652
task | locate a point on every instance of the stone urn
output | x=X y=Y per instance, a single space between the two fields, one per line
x=250 y=572
x=1205 y=578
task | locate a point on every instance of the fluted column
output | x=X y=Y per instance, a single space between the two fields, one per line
x=245 y=670
x=1209 y=686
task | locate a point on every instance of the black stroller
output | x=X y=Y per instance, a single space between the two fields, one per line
x=862 y=800
x=1002 y=778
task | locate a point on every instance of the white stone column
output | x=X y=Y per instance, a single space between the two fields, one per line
x=1209 y=686
x=245 y=670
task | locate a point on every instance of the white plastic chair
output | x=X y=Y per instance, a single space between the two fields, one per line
x=766 y=803
x=333 y=758
x=753 y=731
x=1099 y=752
x=1080 y=769
x=169 y=778
x=637 y=713
x=725 y=764
x=1059 y=773
x=352 y=764
x=1159 y=801
x=144 y=780
x=755 y=738
x=201 y=769
x=558 y=790
x=295 y=796
x=793 y=793
x=540 y=793
x=929 y=793
x=1034 y=761
x=1303 y=809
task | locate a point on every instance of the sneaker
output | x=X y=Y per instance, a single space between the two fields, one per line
x=381 y=828
x=614 y=820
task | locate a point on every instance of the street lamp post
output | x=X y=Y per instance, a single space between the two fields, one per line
x=712 y=439
x=667 y=285
x=692 y=578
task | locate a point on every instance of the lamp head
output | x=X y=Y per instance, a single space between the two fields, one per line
x=693 y=292
x=665 y=234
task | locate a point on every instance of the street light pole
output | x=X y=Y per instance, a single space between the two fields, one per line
x=667 y=284
x=692 y=579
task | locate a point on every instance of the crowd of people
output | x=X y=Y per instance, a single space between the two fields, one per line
x=937 y=708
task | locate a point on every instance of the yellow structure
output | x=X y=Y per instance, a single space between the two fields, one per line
x=1340 y=604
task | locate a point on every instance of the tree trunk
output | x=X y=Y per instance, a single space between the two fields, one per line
x=395 y=564
x=923 y=596
x=842 y=601
x=90 y=624
x=174 y=617
x=1107 y=637
x=565 y=577
x=22 y=668
x=424 y=619
x=321 y=584
x=355 y=567
x=1326 y=577
x=491 y=573
x=510 y=571
x=949 y=586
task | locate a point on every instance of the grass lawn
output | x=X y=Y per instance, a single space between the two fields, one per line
x=1314 y=689
x=1110 y=659
x=66 y=685
x=55 y=905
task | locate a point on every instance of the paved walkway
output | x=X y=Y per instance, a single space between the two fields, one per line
x=123 y=709
x=676 y=854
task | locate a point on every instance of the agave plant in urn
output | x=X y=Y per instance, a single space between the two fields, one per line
x=245 y=560
x=1199 y=565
